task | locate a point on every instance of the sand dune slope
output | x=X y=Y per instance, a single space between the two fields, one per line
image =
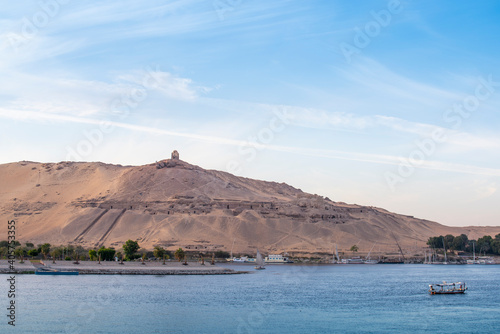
x=175 y=204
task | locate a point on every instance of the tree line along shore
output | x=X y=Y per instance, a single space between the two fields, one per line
x=459 y=246
x=130 y=251
x=486 y=245
x=104 y=261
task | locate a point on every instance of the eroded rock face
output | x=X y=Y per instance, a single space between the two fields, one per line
x=175 y=155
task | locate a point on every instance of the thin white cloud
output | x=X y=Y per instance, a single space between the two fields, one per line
x=369 y=74
x=91 y=97
x=121 y=20
x=322 y=119
x=24 y=115
x=168 y=84
x=331 y=154
x=453 y=137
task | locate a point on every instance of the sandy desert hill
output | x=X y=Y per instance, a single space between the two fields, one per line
x=175 y=204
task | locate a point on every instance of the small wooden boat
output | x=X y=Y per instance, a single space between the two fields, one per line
x=447 y=288
x=49 y=271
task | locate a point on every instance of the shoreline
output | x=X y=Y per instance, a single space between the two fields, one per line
x=115 y=268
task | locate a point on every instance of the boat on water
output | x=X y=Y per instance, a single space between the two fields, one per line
x=432 y=259
x=473 y=261
x=391 y=261
x=368 y=259
x=277 y=258
x=481 y=259
x=259 y=262
x=447 y=288
x=50 y=271
x=359 y=260
x=242 y=259
x=485 y=260
x=354 y=260
x=231 y=258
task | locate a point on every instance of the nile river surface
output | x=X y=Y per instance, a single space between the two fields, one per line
x=280 y=299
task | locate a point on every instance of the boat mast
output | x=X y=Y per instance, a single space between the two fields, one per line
x=370 y=252
x=397 y=243
x=232 y=248
x=444 y=247
x=400 y=250
x=474 y=251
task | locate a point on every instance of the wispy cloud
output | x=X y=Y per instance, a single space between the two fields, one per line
x=323 y=119
x=453 y=137
x=89 y=97
x=322 y=153
x=168 y=84
x=378 y=78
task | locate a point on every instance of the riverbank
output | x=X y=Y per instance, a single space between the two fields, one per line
x=115 y=268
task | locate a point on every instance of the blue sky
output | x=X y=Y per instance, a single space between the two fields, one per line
x=393 y=104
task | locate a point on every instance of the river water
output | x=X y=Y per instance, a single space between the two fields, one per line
x=281 y=299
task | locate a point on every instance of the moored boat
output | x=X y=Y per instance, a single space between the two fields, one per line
x=473 y=261
x=354 y=260
x=277 y=258
x=240 y=259
x=486 y=260
x=49 y=271
x=391 y=261
x=368 y=260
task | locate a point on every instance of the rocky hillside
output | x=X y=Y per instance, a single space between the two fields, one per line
x=175 y=204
